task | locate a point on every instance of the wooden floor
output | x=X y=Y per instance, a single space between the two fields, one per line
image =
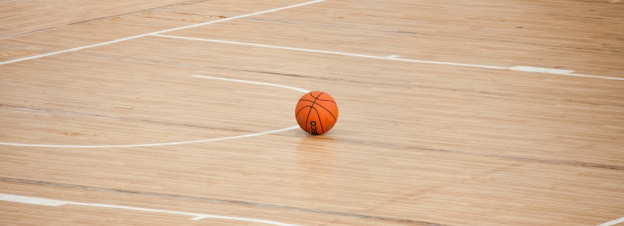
x=451 y=112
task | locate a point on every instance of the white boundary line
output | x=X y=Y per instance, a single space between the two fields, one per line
x=327 y=52
x=396 y=58
x=51 y=202
x=196 y=216
x=154 y=33
x=182 y=142
x=613 y=222
x=252 y=82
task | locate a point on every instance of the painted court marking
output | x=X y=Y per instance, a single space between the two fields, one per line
x=196 y=216
x=154 y=33
x=252 y=82
x=613 y=222
x=182 y=142
x=397 y=58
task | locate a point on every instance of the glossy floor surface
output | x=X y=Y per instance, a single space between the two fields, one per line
x=180 y=112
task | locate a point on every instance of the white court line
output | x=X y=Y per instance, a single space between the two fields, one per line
x=182 y=142
x=196 y=216
x=147 y=145
x=613 y=222
x=558 y=72
x=396 y=58
x=252 y=82
x=154 y=33
x=327 y=52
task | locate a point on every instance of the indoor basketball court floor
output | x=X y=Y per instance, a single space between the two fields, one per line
x=179 y=112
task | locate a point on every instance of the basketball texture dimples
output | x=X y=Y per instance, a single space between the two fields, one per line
x=316 y=112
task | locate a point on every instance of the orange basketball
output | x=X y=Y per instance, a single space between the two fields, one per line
x=316 y=112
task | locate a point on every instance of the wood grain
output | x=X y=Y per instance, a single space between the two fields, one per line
x=415 y=144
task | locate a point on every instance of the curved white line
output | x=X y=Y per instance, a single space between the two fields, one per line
x=181 y=142
x=252 y=82
x=196 y=216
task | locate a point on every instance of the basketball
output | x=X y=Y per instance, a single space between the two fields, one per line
x=316 y=112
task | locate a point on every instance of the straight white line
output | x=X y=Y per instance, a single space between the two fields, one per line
x=613 y=222
x=396 y=58
x=324 y=51
x=541 y=70
x=448 y=63
x=154 y=33
x=558 y=72
x=236 y=17
x=595 y=76
x=196 y=216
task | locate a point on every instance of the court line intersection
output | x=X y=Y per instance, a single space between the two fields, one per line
x=6 y=197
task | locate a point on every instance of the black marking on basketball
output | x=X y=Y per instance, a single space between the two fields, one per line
x=307 y=118
x=319 y=118
x=306 y=100
x=302 y=109
x=221 y=201
x=327 y=111
x=313 y=126
x=323 y=107
x=327 y=100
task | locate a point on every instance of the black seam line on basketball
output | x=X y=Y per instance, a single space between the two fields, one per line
x=508 y=157
x=305 y=100
x=323 y=108
x=327 y=100
x=223 y=201
x=326 y=110
x=319 y=117
x=302 y=109
x=307 y=118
